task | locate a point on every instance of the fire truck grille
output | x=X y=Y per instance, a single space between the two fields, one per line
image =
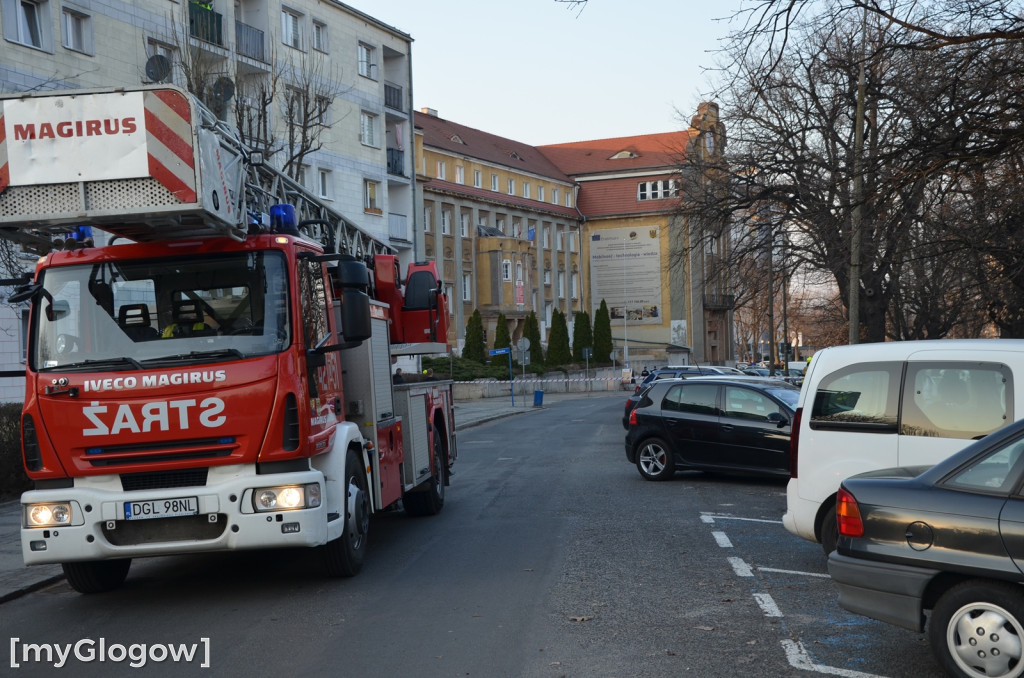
x=157 y=530
x=184 y=450
x=159 y=480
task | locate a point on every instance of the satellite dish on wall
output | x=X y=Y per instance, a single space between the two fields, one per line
x=223 y=90
x=158 y=68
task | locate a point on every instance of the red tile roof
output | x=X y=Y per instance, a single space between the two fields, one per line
x=618 y=197
x=440 y=133
x=649 y=151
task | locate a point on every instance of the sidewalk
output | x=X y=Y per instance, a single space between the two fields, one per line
x=16 y=579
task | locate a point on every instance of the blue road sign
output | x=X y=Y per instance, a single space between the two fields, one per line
x=500 y=351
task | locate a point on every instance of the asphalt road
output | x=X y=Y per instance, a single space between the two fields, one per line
x=552 y=557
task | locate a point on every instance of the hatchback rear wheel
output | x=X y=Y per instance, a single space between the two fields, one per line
x=654 y=460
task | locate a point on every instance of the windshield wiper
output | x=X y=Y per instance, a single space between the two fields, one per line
x=199 y=355
x=95 y=363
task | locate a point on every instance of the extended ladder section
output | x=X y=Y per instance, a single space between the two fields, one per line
x=148 y=163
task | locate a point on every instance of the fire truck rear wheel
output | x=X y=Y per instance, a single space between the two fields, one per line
x=96 y=576
x=430 y=500
x=344 y=555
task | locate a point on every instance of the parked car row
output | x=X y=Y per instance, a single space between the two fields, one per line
x=904 y=462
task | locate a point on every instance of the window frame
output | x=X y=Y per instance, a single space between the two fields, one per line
x=368 y=126
x=84 y=22
x=296 y=33
x=319 y=36
x=371 y=204
x=14 y=30
x=366 y=60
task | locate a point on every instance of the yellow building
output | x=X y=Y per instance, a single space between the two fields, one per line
x=501 y=222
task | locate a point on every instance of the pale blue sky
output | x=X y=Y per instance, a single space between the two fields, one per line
x=541 y=73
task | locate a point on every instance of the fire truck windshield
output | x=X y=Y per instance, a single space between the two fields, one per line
x=119 y=315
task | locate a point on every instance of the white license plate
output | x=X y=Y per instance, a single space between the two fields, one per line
x=161 y=508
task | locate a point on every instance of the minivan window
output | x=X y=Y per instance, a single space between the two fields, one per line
x=861 y=397
x=966 y=400
x=695 y=398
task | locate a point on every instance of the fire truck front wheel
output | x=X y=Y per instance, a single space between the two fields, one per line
x=344 y=555
x=96 y=576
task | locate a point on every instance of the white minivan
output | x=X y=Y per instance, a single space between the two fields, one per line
x=906 y=403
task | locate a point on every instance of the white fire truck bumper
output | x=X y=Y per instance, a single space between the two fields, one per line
x=101 y=521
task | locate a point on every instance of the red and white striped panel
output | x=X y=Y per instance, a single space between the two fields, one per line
x=5 y=168
x=169 y=142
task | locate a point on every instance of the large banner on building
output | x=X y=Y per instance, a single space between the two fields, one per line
x=625 y=271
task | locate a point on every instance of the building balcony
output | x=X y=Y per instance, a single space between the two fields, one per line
x=396 y=162
x=719 y=302
x=393 y=98
x=205 y=24
x=398 y=226
x=249 y=42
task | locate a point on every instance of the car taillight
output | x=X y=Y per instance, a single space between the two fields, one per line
x=794 y=440
x=848 y=514
x=632 y=418
x=637 y=389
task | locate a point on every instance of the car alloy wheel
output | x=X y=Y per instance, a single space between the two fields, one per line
x=655 y=460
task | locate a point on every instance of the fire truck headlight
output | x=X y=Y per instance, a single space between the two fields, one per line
x=48 y=515
x=286 y=498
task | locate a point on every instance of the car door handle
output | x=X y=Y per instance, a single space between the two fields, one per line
x=727 y=427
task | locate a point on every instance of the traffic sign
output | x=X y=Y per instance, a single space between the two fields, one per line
x=500 y=351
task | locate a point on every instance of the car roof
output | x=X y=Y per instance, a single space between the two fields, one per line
x=762 y=382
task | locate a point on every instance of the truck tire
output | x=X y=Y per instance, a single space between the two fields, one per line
x=96 y=576
x=430 y=500
x=344 y=555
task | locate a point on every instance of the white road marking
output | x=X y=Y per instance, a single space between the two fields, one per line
x=767 y=605
x=798 y=658
x=722 y=540
x=740 y=568
x=802 y=574
x=711 y=517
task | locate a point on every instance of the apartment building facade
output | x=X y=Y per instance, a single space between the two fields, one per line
x=501 y=222
x=317 y=65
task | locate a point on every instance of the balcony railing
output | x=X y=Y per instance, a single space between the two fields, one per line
x=719 y=302
x=398 y=227
x=205 y=24
x=249 y=41
x=396 y=162
x=393 y=97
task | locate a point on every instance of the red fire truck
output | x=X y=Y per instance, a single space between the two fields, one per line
x=209 y=346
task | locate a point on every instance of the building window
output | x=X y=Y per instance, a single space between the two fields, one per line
x=500 y=223
x=446 y=222
x=460 y=174
x=657 y=190
x=77 y=31
x=517 y=228
x=368 y=129
x=554 y=196
x=371 y=190
x=324 y=183
x=575 y=282
x=558 y=239
x=442 y=170
x=300 y=175
x=540 y=193
x=511 y=186
x=546 y=237
x=547 y=276
x=291 y=28
x=319 y=36
x=31 y=25
x=568 y=199
x=478 y=178
x=428 y=212
x=506 y=270
x=367 y=61
x=467 y=286
x=572 y=242
x=494 y=182
x=561 y=284
x=519 y=271
x=464 y=225
x=526 y=190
